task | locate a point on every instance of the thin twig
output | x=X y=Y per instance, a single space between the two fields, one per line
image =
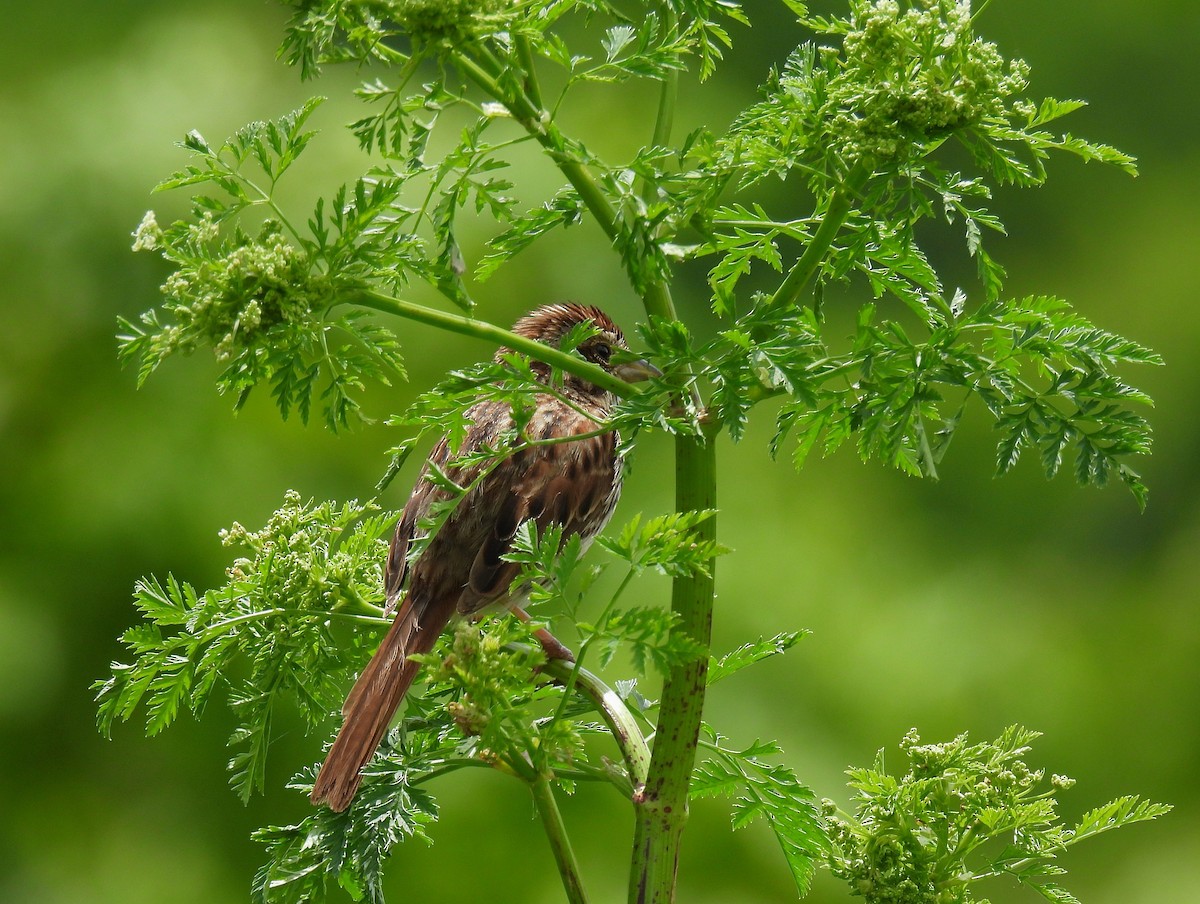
x=560 y=843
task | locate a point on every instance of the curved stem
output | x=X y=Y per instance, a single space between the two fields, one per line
x=537 y=122
x=555 y=143
x=481 y=329
x=616 y=715
x=595 y=774
x=529 y=63
x=223 y=626
x=839 y=207
x=656 y=295
x=668 y=93
x=453 y=765
x=583 y=649
x=560 y=844
x=266 y=198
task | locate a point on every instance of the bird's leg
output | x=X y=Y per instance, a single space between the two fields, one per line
x=552 y=646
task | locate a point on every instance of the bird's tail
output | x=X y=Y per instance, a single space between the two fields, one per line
x=374 y=699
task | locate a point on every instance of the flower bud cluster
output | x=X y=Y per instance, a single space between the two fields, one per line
x=296 y=556
x=913 y=75
x=447 y=21
x=148 y=234
x=909 y=838
x=229 y=295
x=905 y=76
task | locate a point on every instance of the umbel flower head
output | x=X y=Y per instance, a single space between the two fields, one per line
x=905 y=77
x=930 y=75
x=229 y=294
x=449 y=21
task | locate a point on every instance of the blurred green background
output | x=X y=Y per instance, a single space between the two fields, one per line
x=967 y=604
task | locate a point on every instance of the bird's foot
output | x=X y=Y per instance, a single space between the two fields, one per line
x=551 y=645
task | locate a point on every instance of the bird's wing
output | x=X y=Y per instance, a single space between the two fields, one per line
x=393 y=576
x=416 y=507
x=568 y=483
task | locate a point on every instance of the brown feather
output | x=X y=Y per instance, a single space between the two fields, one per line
x=373 y=702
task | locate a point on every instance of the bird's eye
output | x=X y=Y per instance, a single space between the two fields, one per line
x=600 y=352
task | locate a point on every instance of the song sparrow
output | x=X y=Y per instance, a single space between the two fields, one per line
x=574 y=483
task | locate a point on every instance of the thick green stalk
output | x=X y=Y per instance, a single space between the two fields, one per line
x=489 y=332
x=662 y=808
x=568 y=867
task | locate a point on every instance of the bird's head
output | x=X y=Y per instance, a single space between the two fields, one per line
x=550 y=323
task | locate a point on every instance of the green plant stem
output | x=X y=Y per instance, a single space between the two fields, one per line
x=661 y=810
x=529 y=63
x=489 y=332
x=569 y=685
x=656 y=295
x=664 y=120
x=661 y=805
x=537 y=122
x=560 y=844
x=616 y=715
x=839 y=207
x=668 y=94
x=581 y=179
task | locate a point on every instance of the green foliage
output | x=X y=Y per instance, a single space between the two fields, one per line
x=1041 y=370
x=321 y=33
x=865 y=120
x=907 y=77
x=487 y=704
x=961 y=814
x=270 y=637
x=893 y=114
x=564 y=209
x=264 y=304
x=346 y=849
x=263 y=638
x=762 y=790
x=665 y=543
x=749 y=653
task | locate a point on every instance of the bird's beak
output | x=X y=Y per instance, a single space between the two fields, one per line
x=636 y=371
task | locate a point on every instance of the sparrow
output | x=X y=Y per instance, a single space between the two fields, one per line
x=574 y=483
